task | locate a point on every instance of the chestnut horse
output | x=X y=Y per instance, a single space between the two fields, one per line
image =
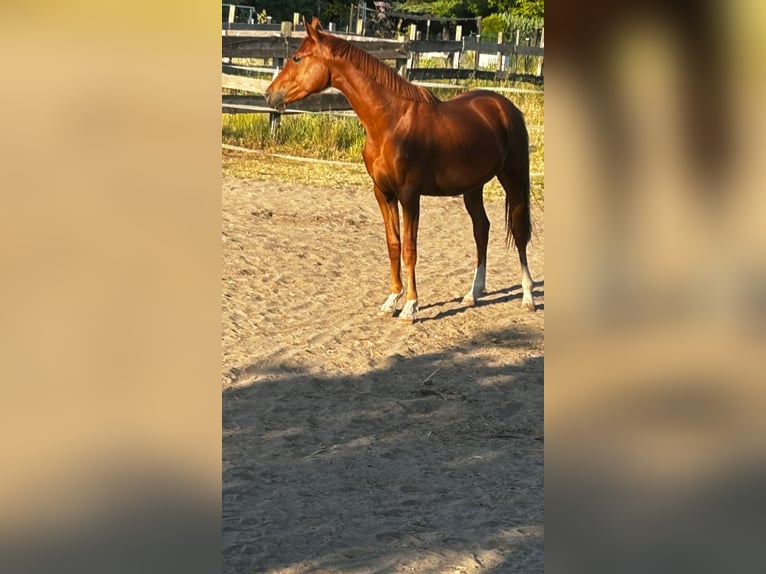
x=418 y=145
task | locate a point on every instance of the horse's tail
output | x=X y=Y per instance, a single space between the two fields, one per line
x=518 y=220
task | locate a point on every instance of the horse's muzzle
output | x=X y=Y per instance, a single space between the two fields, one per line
x=276 y=100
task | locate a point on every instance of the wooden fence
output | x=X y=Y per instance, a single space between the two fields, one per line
x=269 y=45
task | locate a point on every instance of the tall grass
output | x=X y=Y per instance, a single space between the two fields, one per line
x=321 y=136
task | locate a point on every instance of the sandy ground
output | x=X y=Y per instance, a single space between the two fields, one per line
x=358 y=444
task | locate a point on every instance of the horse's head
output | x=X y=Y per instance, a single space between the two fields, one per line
x=304 y=73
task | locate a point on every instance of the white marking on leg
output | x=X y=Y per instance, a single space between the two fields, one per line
x=409 y=310
x=389 y=307
x=478 y=285
x=527 y=300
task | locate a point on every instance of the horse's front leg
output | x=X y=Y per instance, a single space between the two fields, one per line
x=411 y=217
x=389 y=208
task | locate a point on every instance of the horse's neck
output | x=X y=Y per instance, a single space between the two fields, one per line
x=374 y=106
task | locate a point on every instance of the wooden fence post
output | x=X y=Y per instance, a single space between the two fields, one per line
x=540 y=61
x=286 y=31
x=477 y=53
x=276 y=117
x=296 y=20
x=401 y=67
x=456 y=55
x=499 y=65
x=412 y=56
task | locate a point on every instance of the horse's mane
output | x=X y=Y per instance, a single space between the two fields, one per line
x=379 y=72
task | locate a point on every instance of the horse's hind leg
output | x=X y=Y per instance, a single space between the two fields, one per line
x=474 y=204
x=518 y=224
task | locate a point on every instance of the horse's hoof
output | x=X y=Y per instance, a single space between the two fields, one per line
x=529 y=305
x=473 y=295
x=471 y=300
x=388 y=309
x=408 y=312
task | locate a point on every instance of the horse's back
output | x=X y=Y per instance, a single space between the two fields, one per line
x=493 y=109
x=482 y=98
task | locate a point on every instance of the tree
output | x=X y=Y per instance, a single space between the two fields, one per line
x=493 y=24
x=520 y=8
x=445 y=8
x=334 y=11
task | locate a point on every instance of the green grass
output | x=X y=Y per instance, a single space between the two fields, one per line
x=321 y=136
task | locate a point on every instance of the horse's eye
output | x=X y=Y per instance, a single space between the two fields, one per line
x=296 y=58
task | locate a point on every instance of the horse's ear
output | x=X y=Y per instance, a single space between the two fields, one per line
x=313 y=28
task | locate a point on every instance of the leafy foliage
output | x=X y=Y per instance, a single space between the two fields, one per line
x=493 y=24
x=472 y=8
x=527 y=25
x=445 y=8
x=520 y=8
x=515 y=12
x=334 y=11
x=338 y=10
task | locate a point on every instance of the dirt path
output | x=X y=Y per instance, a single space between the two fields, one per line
x=357 y=444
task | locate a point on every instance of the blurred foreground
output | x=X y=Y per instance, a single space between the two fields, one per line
x=656 y=271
